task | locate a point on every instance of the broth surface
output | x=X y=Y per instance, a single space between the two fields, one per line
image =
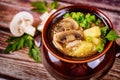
x=79 y=34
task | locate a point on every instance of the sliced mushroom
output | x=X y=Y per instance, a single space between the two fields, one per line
x=66 y=24
x=22 y=23
x=73 y=43
x=62 y=39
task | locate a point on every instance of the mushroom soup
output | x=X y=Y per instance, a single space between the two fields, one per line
x=79 y=34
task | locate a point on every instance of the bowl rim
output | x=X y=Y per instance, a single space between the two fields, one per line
x=45 y=42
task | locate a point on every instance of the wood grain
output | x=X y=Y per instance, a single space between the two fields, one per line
x=18 y=65
x=112 y=5
x=23 y=70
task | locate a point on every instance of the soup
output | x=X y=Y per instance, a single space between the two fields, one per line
x=79 y=34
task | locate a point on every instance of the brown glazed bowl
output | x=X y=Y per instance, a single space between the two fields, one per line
x=63 y=67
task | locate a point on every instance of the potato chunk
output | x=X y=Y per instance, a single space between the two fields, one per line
x=84 y=49
x=96 y=41
x=93 y=32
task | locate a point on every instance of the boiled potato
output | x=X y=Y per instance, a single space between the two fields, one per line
x=93 y=32
x=99 y=44
x=96 y=41
x=84 y=49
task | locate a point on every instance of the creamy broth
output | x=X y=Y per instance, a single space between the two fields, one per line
x=79 y=34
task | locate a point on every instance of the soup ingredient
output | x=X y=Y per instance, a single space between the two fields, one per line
x=66 y=24
x=66 y=35
x=81 y=35
x=93 y=35
x=16 y=43
x=87 y=48
x=99 y=43
x=100 y=47
x=84 y=49
x=22 y=23
x=104 y=30
x=93 y=32
x=112 y=35
x=67 y=39
x=83 y=20
x=98 y=22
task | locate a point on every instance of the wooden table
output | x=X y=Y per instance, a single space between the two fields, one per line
x=19 y=66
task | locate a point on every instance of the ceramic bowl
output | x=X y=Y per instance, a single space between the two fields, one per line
x=57 y=16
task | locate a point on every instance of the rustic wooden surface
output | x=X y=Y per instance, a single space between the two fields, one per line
x=19 y=66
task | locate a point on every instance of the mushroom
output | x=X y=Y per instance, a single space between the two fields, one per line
x=66 y=24
x=66 y=38
x=73 y=43
x=44 y=18
x=22 y=23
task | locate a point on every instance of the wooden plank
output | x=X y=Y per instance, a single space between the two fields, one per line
x=23 y=70
x=15 y=7
x=21 y=54
x=114 y=73
x=112 y=5
x=10 y=10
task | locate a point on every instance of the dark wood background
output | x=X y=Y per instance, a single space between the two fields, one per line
x=19 y=66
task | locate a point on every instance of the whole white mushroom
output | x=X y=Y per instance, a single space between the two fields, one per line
x=22 y=23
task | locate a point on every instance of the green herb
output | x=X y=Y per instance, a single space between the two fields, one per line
x=112 y=35
x=104 y=30
x=92 y=18
x=54 y=4
x=100 y=47
x=89 y=38
x=74 y=15
x=17 y=43
x=84 y=20
x=85 y=24
x=89 y=18
x=66 y=15
x=39 y=6
x=98 y=22
x=35 y=53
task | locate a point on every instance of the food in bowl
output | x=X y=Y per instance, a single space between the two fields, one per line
x=79 y=34
x=66 y=63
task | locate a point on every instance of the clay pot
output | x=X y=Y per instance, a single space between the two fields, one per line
x=63 y=67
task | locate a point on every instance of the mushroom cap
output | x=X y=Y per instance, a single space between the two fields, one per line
x=18 y=21
x=61 y=39
x=68 y=36
x=66 y=24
